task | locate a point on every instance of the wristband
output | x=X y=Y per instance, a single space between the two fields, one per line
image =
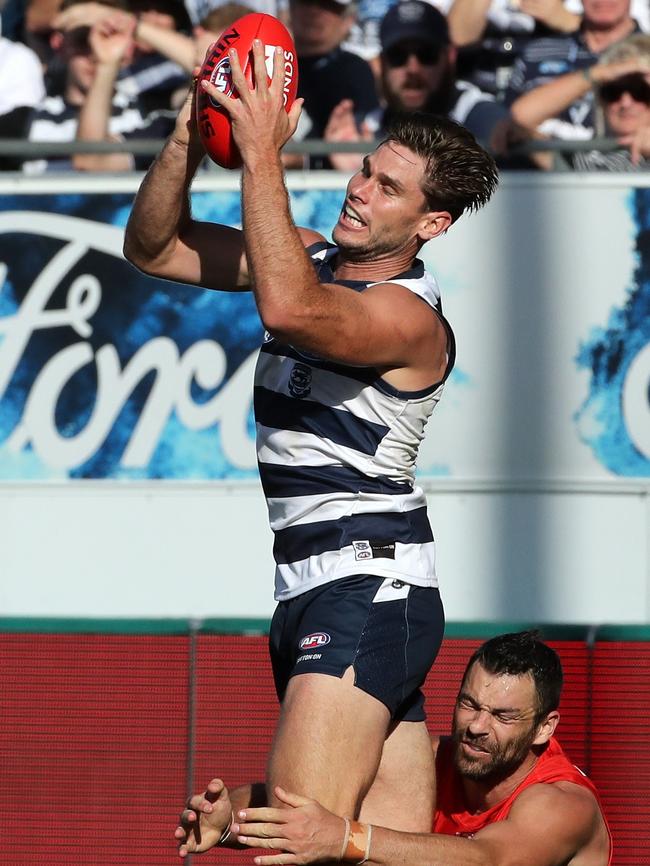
x=227 y=832
x=346 y=836
x=357 y=849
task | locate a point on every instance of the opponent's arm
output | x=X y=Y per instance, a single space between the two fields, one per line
x=547 y=826
x=327 y=319
x=161 y=237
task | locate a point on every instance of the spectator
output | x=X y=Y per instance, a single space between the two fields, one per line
x=491 y=34
x=328 y=74
x=149 y=76
x=199 y=10
x=621 y=84
x=186 y=51
x=21 y=87
x=418 y=73
x=91 y=58
x=603 y=24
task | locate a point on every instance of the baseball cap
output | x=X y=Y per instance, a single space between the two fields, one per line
x=413 y=19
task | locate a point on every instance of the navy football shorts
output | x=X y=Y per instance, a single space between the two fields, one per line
x=388 y=631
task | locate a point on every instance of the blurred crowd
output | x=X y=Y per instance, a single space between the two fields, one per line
x=511 y=71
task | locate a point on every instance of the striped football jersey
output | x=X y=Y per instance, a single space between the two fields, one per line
x=337 y=449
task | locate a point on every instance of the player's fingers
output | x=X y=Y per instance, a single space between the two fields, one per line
x=269 y=814
x=237 y=75
x=260 y=842
x=259 y=830
x=259 y=67
x=213 y=790
x=276 y=860
x=277 y=81
x=294 y=115
x=291 y=799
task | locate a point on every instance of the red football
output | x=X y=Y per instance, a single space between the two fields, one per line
x=213 y=121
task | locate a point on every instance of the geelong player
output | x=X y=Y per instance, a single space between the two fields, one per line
x=354 y=361
x=507 y=793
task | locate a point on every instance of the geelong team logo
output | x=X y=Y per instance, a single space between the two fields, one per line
x=300 y=380
x=311 y=641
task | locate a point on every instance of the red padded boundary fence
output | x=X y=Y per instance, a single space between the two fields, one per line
x=103 y=734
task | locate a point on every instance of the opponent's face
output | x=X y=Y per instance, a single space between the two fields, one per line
x=626 y=104
x=606 y=13
x=494 y=724
x=412 y=72
x=385 y=210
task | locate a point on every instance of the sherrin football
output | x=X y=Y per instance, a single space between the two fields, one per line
x=213 y=122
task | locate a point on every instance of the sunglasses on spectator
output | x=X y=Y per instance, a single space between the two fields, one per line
x=398 y=55
x=635 y=85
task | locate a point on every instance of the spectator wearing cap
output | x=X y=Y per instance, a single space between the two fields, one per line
x=418 y=73
x=328 y=74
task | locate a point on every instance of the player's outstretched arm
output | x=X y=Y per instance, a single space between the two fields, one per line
x=161 y=237
x=548 y=826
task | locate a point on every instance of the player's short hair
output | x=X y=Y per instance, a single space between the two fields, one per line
x=460 y=175
x=521 y=653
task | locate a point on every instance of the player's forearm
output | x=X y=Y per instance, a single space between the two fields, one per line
x=392 y=848
x=562 y=20
x=161 y=210
x=467 y=20
x=548 y=100
x=283 y=278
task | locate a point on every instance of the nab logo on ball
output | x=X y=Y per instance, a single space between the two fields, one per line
x=215 y=129
x=311 y=641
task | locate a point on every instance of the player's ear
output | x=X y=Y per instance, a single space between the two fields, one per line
x=546 y=728
x=434 y=223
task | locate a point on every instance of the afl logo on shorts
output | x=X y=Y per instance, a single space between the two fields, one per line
x=311 y=641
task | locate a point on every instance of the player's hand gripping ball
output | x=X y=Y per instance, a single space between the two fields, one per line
x=214 y=124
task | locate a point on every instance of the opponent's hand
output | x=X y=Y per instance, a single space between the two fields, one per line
x=260 y=124
x=305 y=832
x=203 y=821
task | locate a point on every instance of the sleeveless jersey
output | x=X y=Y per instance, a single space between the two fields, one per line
x=452 y=817
x=336 y=448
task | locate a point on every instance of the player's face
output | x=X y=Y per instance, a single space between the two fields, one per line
x=494 y=724
x=626 y=103
x=606 y=13
x=412 y=72
x=384 y=205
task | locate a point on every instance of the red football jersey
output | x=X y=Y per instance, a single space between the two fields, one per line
x=452 y=817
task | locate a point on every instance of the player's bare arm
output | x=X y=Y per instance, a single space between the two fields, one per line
x=161 y=237
x=385 y=326
x=550 y=825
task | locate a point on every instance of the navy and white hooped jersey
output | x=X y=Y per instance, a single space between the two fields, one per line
x=337 y=448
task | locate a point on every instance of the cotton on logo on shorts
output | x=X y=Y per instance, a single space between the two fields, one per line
x=310 y=641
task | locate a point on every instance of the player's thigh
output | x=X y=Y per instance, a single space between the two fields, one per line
x=329 y=740
x=402 y=795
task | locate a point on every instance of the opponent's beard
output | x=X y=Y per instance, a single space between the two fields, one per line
x=504 y=759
